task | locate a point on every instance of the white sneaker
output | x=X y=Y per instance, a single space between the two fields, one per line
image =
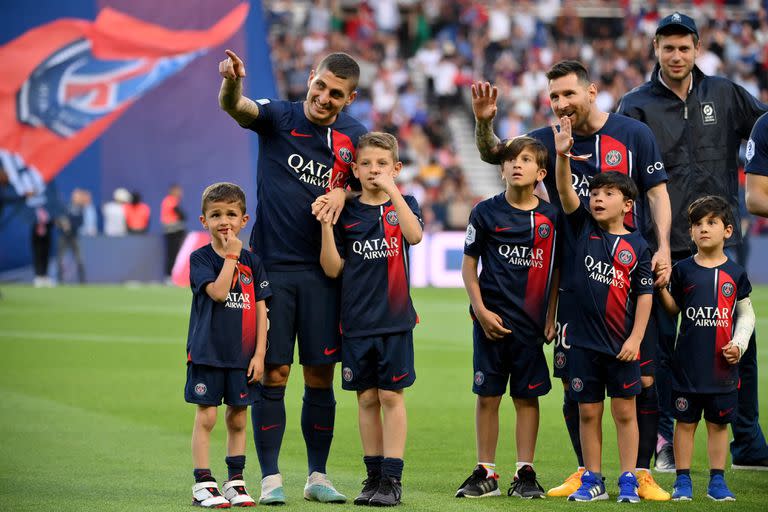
x=272 y=490
x=235 y=493
x=207 y=495
x=319 y=488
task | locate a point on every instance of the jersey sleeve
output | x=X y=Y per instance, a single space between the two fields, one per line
x=201 y=272
x=676 y=285
x=744 y=287
x=757 y=148
x=559 y=237
x=415 y=208
x=577 y=219
x=650 y=170
x=748 y=110
x=642 y=277
x=270 y=115
x=474 y=241
x=260 y=279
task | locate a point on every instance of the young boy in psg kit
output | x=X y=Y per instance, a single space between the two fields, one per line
x=709 y=289
x=369 y=250
x=226 y=342
x=515 y=234
x=610 y=268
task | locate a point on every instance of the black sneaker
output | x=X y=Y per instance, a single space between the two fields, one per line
x=388 y=494
x=665 y=459
x=370 y=486
x=754 y=465
x=525 y=484
x=479 y=485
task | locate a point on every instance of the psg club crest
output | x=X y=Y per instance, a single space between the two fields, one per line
x=560 y=360
x=625 y=257
x=246 y=278
x=347 y=374
x=727 y=289
x=201 y=389
x=346 y=155
x=544 y=230
x=577 y=384
x=479 y=378
x=392 y=218
x=681 y=404
x=613 y=158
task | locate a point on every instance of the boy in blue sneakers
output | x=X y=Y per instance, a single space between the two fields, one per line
x=709 y=289
x=610 y=267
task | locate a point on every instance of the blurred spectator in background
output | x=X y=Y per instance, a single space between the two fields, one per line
x=90 y=225
x=136 y=215
x=114 y=213
x=69 y=223
x=174 y=226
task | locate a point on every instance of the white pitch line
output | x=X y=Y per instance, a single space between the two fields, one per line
x=88 y=337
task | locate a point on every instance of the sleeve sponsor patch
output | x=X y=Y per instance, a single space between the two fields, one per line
x=262 y=101
x=470 y=239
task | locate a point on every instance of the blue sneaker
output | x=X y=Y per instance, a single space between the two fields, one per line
x=628 y=489
x=592 y=489
x=718 y=490
x=683 y=488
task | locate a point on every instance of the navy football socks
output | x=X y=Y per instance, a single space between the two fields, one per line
x=202 y=475
x=392 y=467
x=373 y=464
x=571 y=416
x=647 y=405
x=318 y=414
x=235 y=466
x=268 y=420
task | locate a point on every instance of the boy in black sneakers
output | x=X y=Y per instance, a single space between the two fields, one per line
x=369 y=250
x=226 y=342
x=513 y=310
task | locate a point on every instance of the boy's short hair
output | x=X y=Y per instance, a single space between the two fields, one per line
x=714 y=205
x=343 y=66
x=567 y=67
x=225 y=193
x=379 y=140
x=509 y=149
x=617 y=180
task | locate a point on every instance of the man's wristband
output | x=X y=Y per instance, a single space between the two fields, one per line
x=233 y=257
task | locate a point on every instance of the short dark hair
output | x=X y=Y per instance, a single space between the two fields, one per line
x=567 y=67
x=379 y=140
x=509 y=149
x=342 y=65
x=617 y=180
x=223 y=192
x=714 y=205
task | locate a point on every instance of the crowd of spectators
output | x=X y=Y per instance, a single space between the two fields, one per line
x=417 y=59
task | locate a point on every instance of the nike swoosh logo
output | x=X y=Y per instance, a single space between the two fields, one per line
x=297 y=134
x=269 y=427
x=350 y=226
x=398 y=378
x=320 y=427
x=499 y=230
x=627 y=386
x=725 y=412
x=646 y=362
x=330 y=351
x=534 y=386
x=243 y=395
x=593 y=237
x=689 y=288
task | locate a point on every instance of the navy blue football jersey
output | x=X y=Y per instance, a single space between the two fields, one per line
x=518 y=251
x=757 y=148
x=606 y=273
x=707 y=298
x=298 y=161
x=375 y=285
x=624 y=145
x=223 y=334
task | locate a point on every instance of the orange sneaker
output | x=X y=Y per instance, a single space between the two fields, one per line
x=570 y=486
x=648 y=489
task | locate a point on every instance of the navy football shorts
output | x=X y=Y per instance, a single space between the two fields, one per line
x=561 y=348
x=209 y=385
x=518 y=362
x=383 y=362
x=718 y=408
x=593 y=372
x=304 y=306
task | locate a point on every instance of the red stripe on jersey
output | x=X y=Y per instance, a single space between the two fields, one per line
x=614 y=156
x=618 y=291
x=539 y=277
x=245 y=275
x=397 y=290
x=343 y=156
x=725 y=292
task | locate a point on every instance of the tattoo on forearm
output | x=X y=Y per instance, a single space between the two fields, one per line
x=231 y=100
x=486 y=141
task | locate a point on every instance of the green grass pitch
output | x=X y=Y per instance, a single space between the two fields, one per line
x=93 y=413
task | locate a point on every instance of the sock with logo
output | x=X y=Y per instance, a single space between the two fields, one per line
x=647 y=405
x=490 y=468
x=392 y=467
x=235 y=467
x=571 y=415
x=318 y=414
x=373 y=464
x=202 y=475
x=268 y=420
